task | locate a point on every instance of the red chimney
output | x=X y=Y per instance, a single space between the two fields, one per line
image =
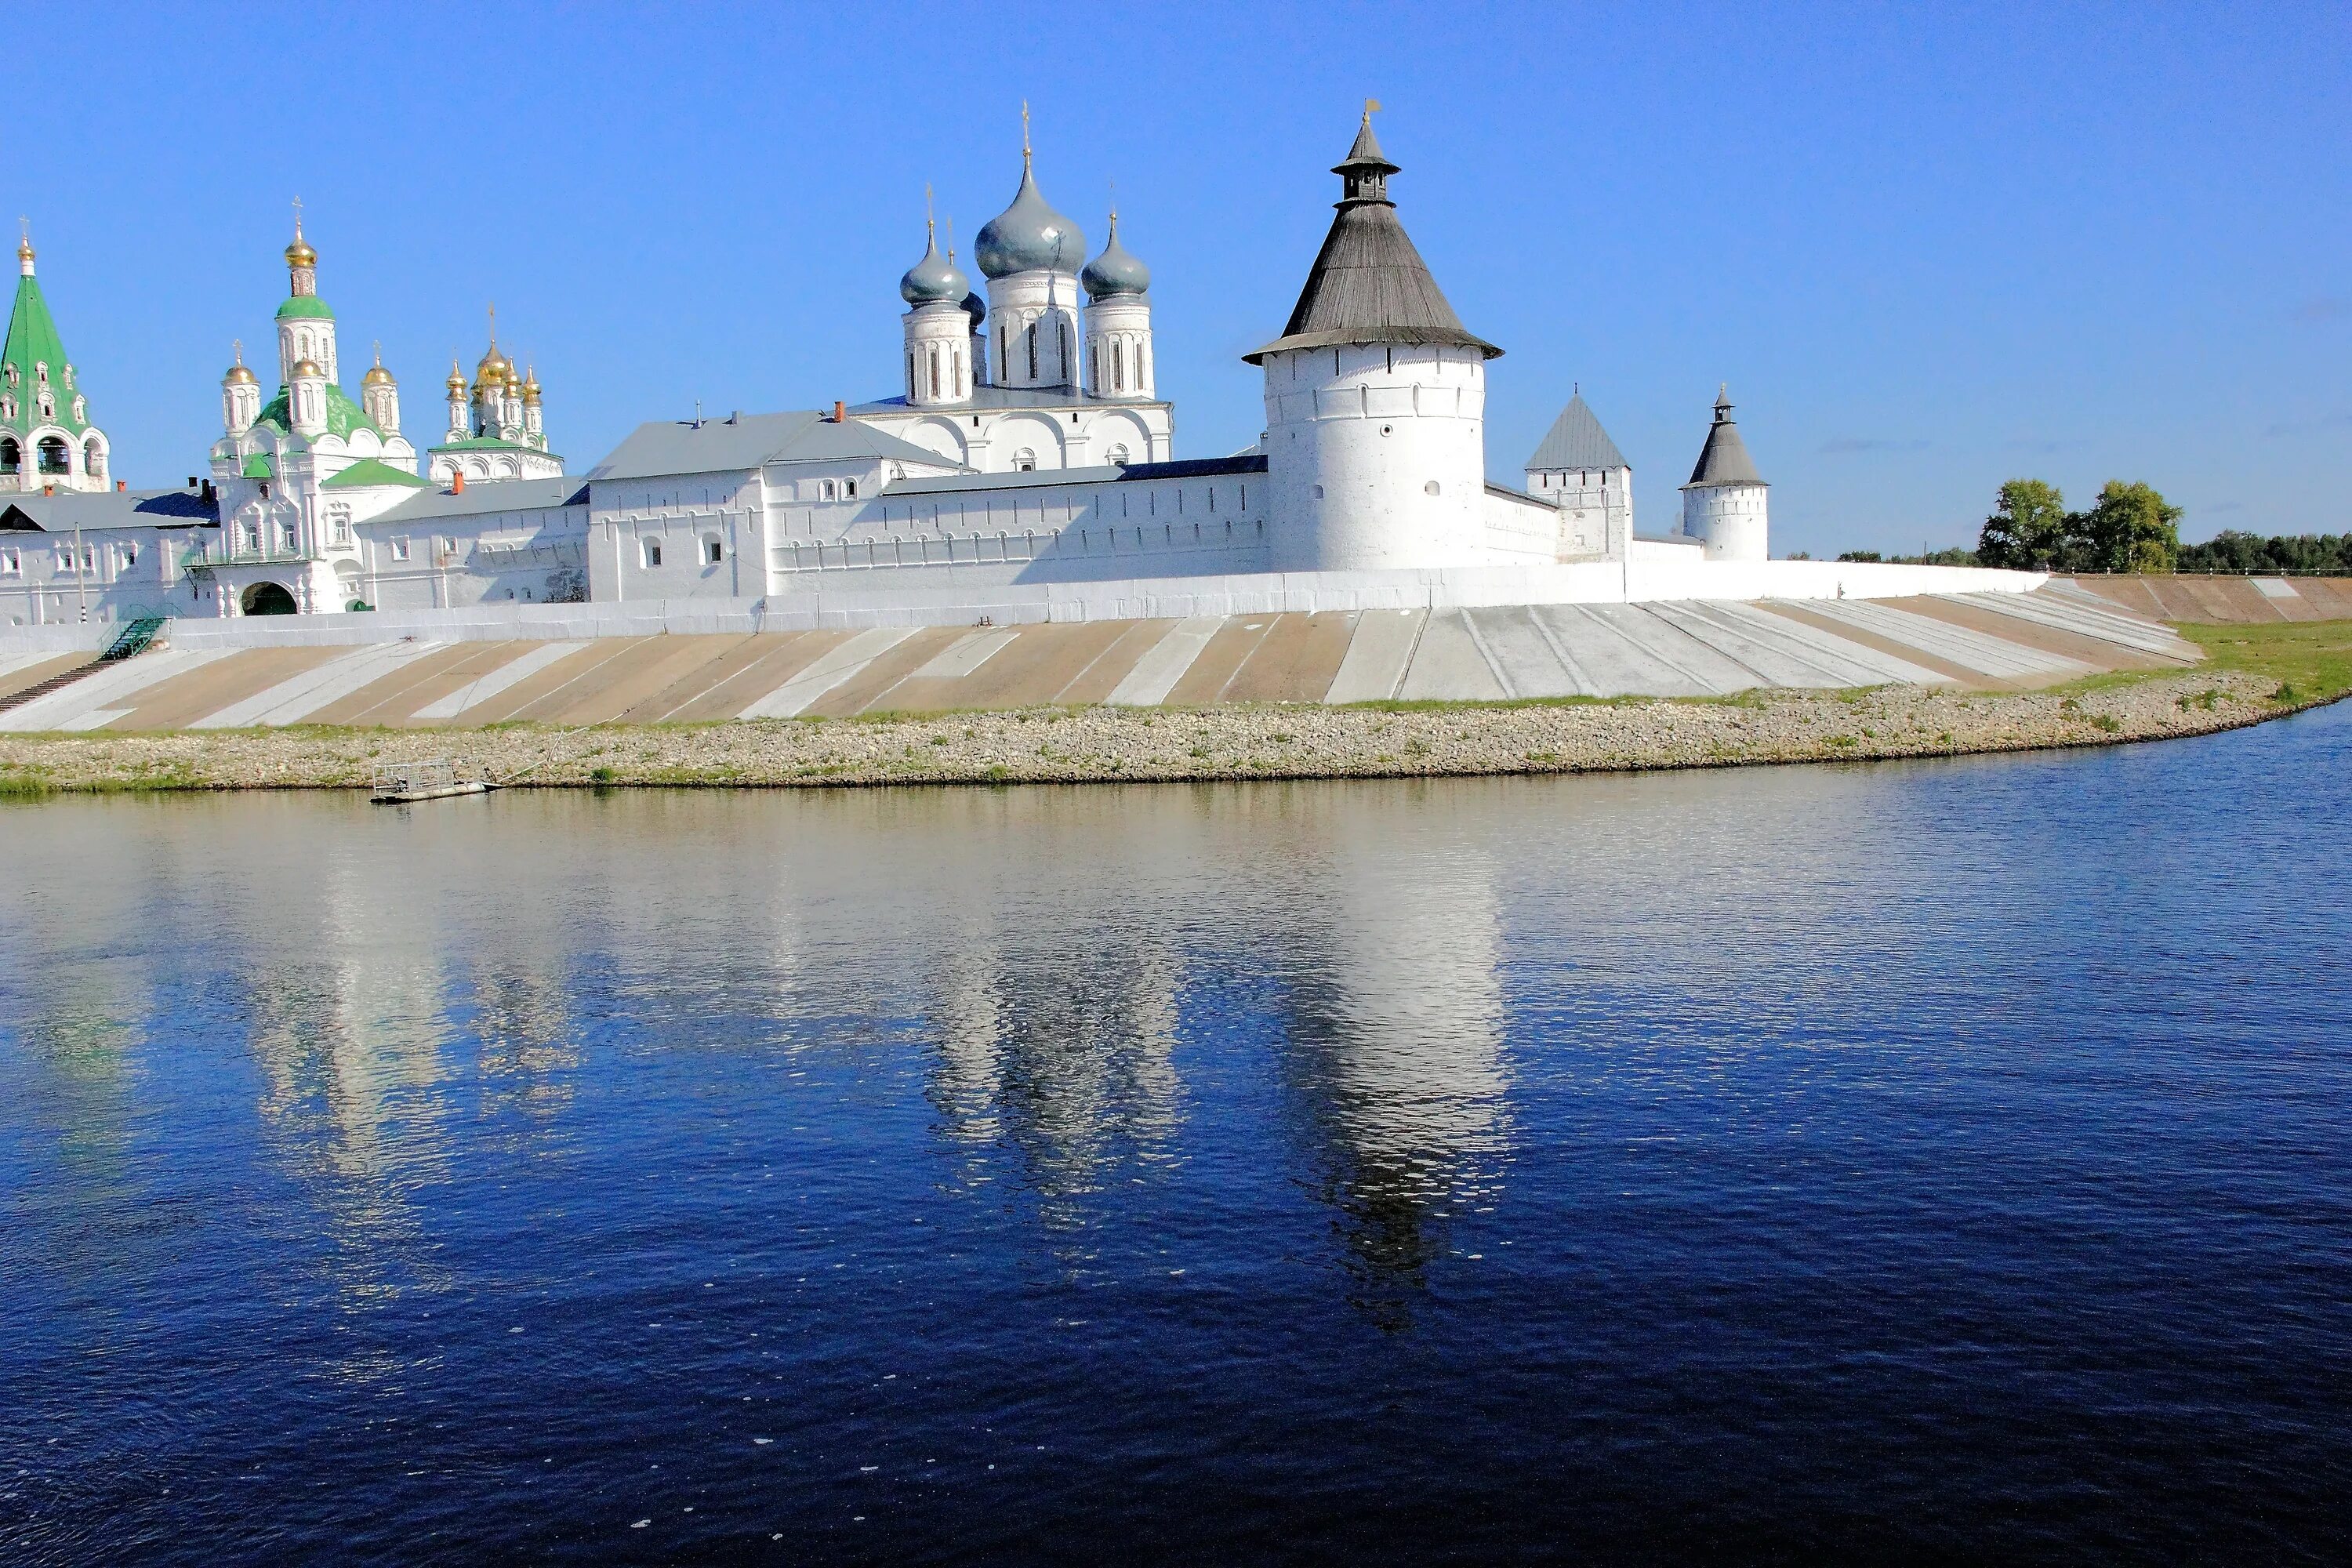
x=456 y=481
x=840 y=411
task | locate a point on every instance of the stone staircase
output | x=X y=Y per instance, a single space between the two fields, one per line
x=129 y=642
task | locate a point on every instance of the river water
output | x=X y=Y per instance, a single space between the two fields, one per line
x=1801 y=1163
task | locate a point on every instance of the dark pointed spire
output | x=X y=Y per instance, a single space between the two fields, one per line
x=1724 y=460
x=1369 y=284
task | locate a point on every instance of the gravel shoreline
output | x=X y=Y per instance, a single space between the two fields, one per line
x=1103 y=744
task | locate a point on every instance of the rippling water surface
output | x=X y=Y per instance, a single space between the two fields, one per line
x=1823 y=1163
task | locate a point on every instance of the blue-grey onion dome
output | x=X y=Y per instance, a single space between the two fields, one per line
x=1028 y=236
x=976 y=308
x=1116 y=270
x=933 y=280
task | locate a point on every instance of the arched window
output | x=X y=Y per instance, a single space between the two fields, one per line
x=93 y=460
x=1118 y=455
x=1032 y=335
x=1118 y=367
x=910 y=373
x=713 y=552
x=55 y=457
x=12 y=458
x=935 y=371
x=652 y=551
x=1024 y=461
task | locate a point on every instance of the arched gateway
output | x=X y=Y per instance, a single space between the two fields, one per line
x=269 y=599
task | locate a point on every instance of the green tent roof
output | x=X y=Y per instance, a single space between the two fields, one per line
x=305 y=305
x=33 y=341
x=372 y=472
x=258 y=468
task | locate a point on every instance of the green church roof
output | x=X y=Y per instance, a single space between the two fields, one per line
x=33 y=341
x=372 y=472
x=305 y=305
x=258 y=468
x=343 y=415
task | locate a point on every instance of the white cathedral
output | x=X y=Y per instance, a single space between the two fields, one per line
x=1027 y=443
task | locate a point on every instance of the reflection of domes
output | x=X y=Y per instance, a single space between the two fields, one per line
x=1028 y=236
x=933 y=280
x=1116 y=270
x=305 y=369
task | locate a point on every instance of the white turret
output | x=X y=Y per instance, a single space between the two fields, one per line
x=1030 y=255
x=1580 y=471
x=306 y=327
x=938 y=333
x=1375 y=401
x=240 y=397
x=1724 y=505
x=1118 y=322
x=307 y=394
x=456 y=385
x=380 y=397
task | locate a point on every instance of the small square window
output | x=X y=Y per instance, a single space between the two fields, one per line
x=652 y=548
x=711 y=551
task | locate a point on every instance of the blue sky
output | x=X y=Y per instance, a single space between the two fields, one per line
x=1929 y=251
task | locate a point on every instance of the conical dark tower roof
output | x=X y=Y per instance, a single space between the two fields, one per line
x=1724 y=460
x=1369 y=284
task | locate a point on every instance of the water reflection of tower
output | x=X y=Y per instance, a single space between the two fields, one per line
x=1395 y=1008
x=1071 y=1065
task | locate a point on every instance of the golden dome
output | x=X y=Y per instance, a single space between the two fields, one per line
x=238 y=376
x=530 y=385
x=299 y=253
x=493 y=365
x=377 y=377
x=306 y=368
x=456 y=382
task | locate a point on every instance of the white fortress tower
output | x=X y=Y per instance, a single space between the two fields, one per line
x=1724 y=503
x=1580 y=471
x=1030 y=255
x=939 y=335
x=1118 y=322
x=1375 y=401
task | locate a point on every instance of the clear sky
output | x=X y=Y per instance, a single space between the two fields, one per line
x=1929 y=249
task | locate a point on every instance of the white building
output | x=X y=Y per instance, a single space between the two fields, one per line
x=1028 y=444
x=1578 y=470
x=1075 y=372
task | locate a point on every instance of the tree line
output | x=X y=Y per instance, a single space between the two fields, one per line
x=2130 y=528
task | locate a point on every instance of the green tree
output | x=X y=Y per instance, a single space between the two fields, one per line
x=2130 y=530
x=2027 y=530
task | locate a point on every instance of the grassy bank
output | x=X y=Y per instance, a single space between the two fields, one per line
x=2255 y=673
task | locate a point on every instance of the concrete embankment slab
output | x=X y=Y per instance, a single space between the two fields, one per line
x=456 y=690
x=1664 y=649
x=1162 y=664
x=1296 y=661
x=845 y=656
x=1973 y=657
x=1380 y=648
x=1449 y=666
